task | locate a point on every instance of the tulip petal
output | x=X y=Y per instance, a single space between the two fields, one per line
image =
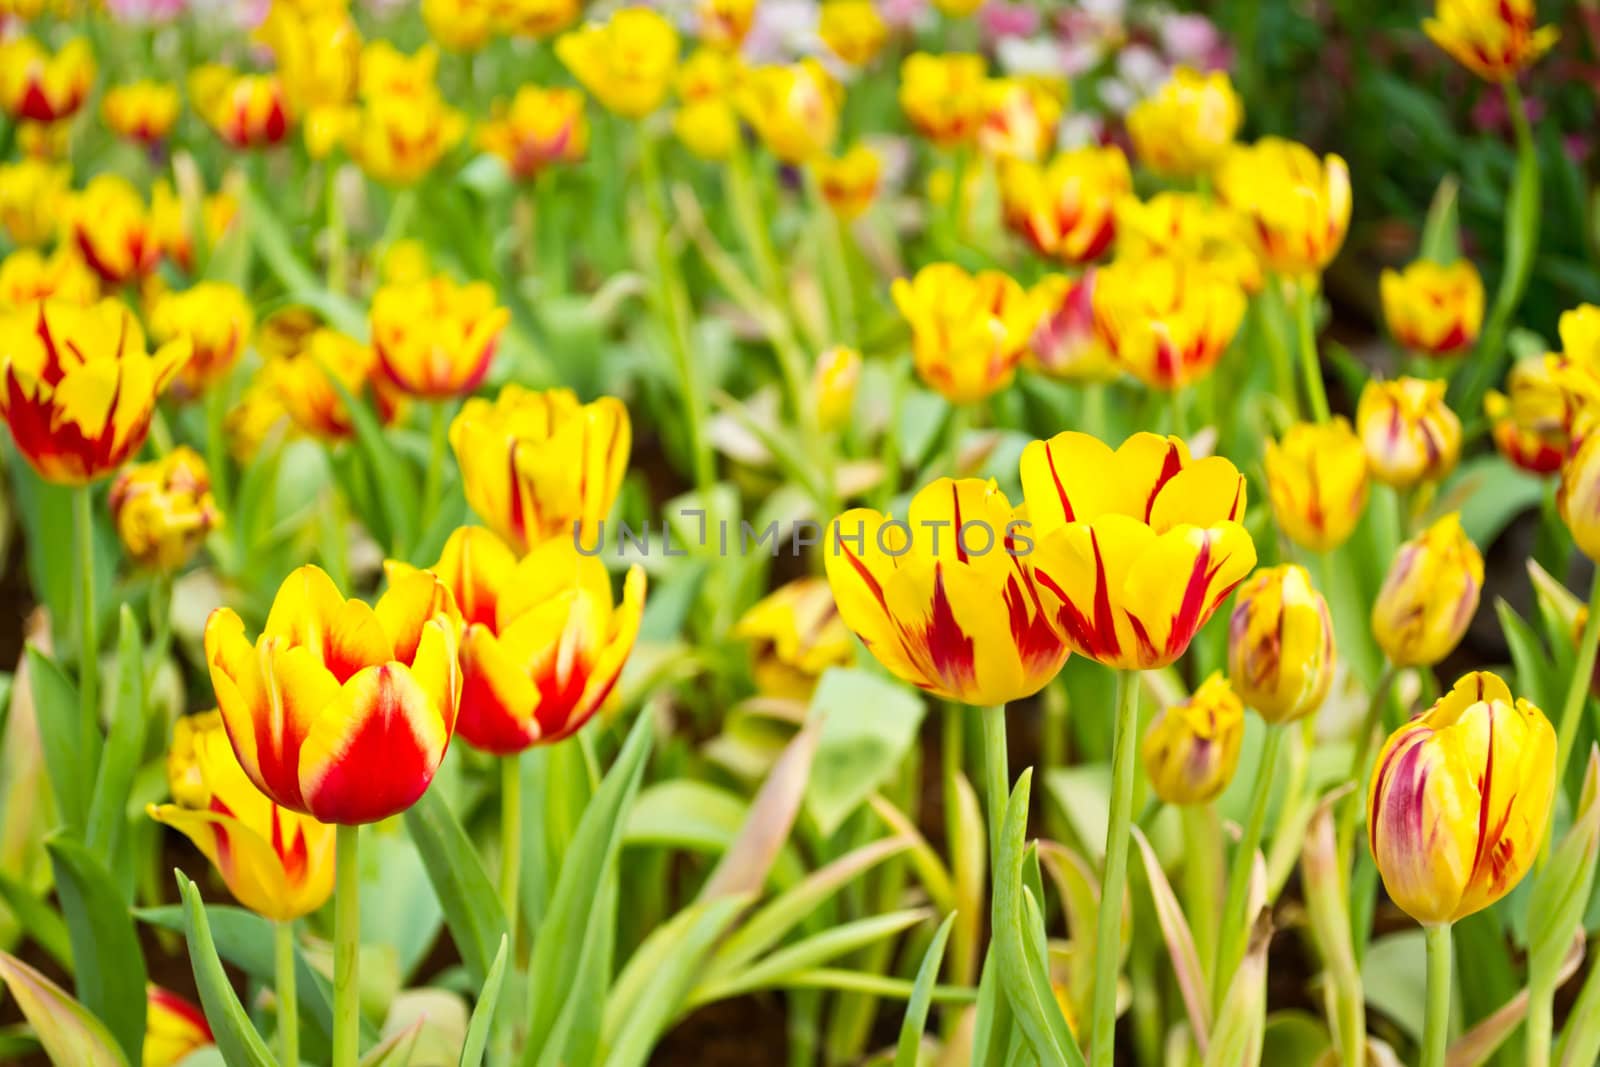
x=299 y=689
x=861 y=557
x=304 y=608
x=247 y=863
x=607 y=667
x=1081 y=570
x=1065 y=479
x=410 y=603
x=236 y=678
x=1209 y=491
x=1179 y=582
x=498 y=699
x=1419 y=831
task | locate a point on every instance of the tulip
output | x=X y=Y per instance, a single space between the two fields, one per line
x=275 y=861
x=459 y=25
x=1136 y=547
x=112 y=230
x=80 y=386
x=1063 y=343
x=435 y=339
x=794 y=109
x=385 y=71
x=795 y=634
x=1280 y=644
x=26 y=277
x=942 y=95
x=724 y=23
x=397 y=138
x=536 y=466
x=967 y=330
x=852 y=30
x=42 y=86
x=301 y=381
x=1433 y=310
x=32 y=193
x=1578 y=496
x=543 y=641
x=174 y=1028
x=1019 y=120
x=1186 y=127
x=1317 y=480
x=1408 y=431
x=338 y=710
x=537 y=18
x=1167 y=321
x=1067 y=208
x=1429 y=596
x=1191 y=748
x=706 y=122
x=143 y=111
x=1532 y=426
x=849 y=182
x=317 y=51
x=245 y=110
x=1190 y=227
x=163 y=509
x=1298 y=206
x=1495 y=39
x=216 y=319
x=625 y=63
x=946 y=599
x=1459 y=800
x=169 y=221
x=257 y=417
x=1579 y=329
x=833 y=386
x=542 y=127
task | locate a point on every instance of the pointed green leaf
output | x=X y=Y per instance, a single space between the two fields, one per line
x=108 y=816
x=68 y=1031
x=472 y=909
x=483 y=1012
x=240 y=1044
x=108 y=965
x=68 y=764
x=916 y=1017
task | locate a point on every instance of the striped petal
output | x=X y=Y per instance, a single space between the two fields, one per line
x=498 y=699
x=253 y=873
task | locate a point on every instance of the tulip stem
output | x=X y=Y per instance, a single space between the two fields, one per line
x=438 y=429
x=510 y=839
x=1436 y=1024
x=1235 y=923
x=288 y=1004
x=1578 y=685
x=88 y=642
x=1108 y=933
x=997 y=776
x=346 y=948
x=1305 y=301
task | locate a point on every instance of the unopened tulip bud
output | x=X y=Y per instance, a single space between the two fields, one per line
x=1408 y=430
x=1280 y=644
x=834 y=385
x=163 y=509
x=1317 y=479
x=1191 y=749
x=1429 y=596
x=1431 y=309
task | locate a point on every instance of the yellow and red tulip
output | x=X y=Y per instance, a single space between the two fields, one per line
x=536 y=18
x=1433 y=309
x=1064 y=343
x=1495 y=39
x=397 y=138
x=942 y=95
x=116 y=235
x=705 y=82
x=1135 y=548
x=42 y=86
x=80 y=387
x=169 y=219
x=794 y=109
x=1460 y=799
x=967 y=330
x=1067 y=208
x=1280 y=644
x=245 y=110
x=1532 y=421
x=301 y=380
x=1578 y=495
x=542 y=127
x=27 y=277
x=143 y=111
x=1409 y=432
x=849 y=182
x=1166 y=320
x=1317 y=481
x=317 y=51
x=537 y=466
x=946 y=599
x=833 y=385
x=174 y=1028
x=1429 y=596
x=1298 y=206
x=435 y=339
x=275 y=861
x=163 y=509
x=1020 y=117
x=1186 y=127
x=340 y=710
x=1191 y=227
x=216 y=318
x=32 y=193
x=853 y=30
x=626 y=63
x=724 y=23
x=795 y=634
x=1191 y=749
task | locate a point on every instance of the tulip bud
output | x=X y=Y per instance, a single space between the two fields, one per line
x=142 y=111
x=32 y=195
x=41 y=86
x=1019 y=121
x=163 y=509
x=113 y=231
x=459 y=25
x=833 y=386
x=1429 y=595
x=852 y=29
x=302 y=381
x=1410 y=434
x=706 y=123
x=1191 y=227
x=1578 y=496
x=849 y=182
x=795 y=634
x=1191 y=748
x=435 y=339
x=26 y=277
x=724 y=23
x=245 y=110
x=1067 y=208
x=216 y=318
x=540 y=128
x=942 y=95
x=1280 y=644
x=1459 y=800
x=1532 y=421
x=1495 y=41
x=625 y=63
x=1317 y=479
x=793 y=108
x=1431 y=309
x=1186 y=126
x=1167 y=321
x=537 y=18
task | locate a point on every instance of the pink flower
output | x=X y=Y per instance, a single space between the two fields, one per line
x=1193 y=40
x=1001 y=20
x=145 y=11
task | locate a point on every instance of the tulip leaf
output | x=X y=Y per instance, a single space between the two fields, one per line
x=38 y=920
x=391 y=481
x=67 y=761
x=589 y=860
x=1535 y=673
x=109 y=967
x=915 y=1021
x=473 y=912
x=687 y=814
x=1441 y=239
x=1295 y=1039
x=69 y=1032
x=1393 y=977
x=1561 y=890
x=1192 y=985
x=483 y=1012
x=108 y=818
x=241 y=1045
x=857 y=753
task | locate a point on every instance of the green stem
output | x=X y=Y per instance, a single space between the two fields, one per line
x=438 y=438
x=1108 y=934
x=1235 y=923
x=217 y=444
x=88 y=641
x=1541 y=1023
x=1202 y=845
x=1578 y=684
x=997 y=778
x=288 y=1003
x=338 y=236
x=346 y=948
x=1436 y=1023
x=1359 y=759
x=510 y=838
x=1269 y=321
x=1312 y=367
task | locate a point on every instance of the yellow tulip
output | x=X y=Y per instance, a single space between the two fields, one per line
x=245 y=110
x=1532 y=421
x=945 y=599
x=397 y=138
x=26 y=277
x=1298 y=206
x=459 y=25
x=1429 y=596
x=967 y=330
x=1280 y=644
x=1317 y=479
x=1579 y=329
x=833 y=386
x=1166 y=320
x=1409 y=432
x=32 y=194
x=318 y=55
x=794 y=109
x=1134 y=548
x=1064 y=343
x=1019 y=121
x=163 y=509
x=1186 y=126
x=536 y=466
x=1067 y=208
x=1191 y=749
x=42 y=86
x=1495 y=39
x=1433 y=310
x=1578 y=496
x=301 y=380
x=143 y=111
x=536 y=18
x=849 y=182
x=1460 y=799
x=256 y=418
x=626 y=63
x=795 y=634
x=276 y=862
x=216 y=318
x=957 y=8
x=852 y=29
x=1192 y=227
x=706 y=122
x=942 y=95
x=540 y=128
x=724 y=23
x=170 y=222
x=435 y=339
x=115 y=234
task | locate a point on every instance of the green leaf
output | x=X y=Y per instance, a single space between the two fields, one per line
x=472 y=910
x=807 y=953
x=240 y=1044
x=108 y=965
x=68 y=1031
x=857 y=753
x=745 y=865
x=108 y=817
x=67 y=761
x=483 y=1012
x=396 y=490
x=916 y=1017
x=684 y=813
x=589 y=859
x=1561 y=890
x=1294 y=1039
x=1535 y=672
x=1394 y=978
x=1489 y=493
x=1441 y=240
x=38 y=920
